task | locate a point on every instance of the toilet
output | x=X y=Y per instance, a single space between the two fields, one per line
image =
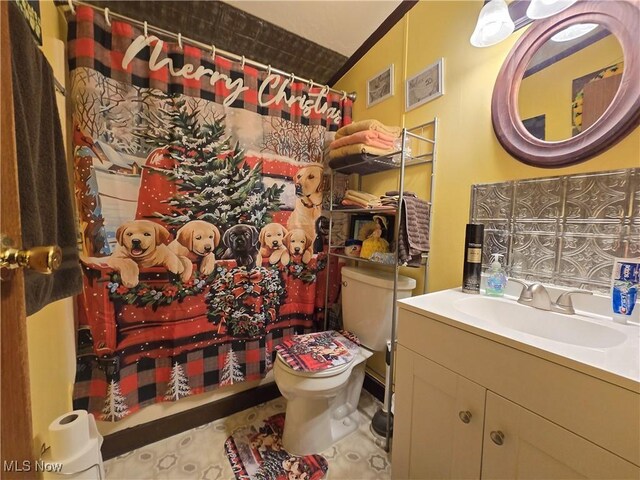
x=321 y=374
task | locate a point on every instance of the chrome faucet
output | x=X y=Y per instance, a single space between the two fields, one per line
x=535 y=295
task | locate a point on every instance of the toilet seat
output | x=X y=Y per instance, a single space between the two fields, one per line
x=319 y=354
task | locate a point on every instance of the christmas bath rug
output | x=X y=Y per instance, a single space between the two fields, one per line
x=255 y=453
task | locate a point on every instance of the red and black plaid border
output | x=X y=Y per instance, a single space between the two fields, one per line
x=93 y=44
x=147 y=381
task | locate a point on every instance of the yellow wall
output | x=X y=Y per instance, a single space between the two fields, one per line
x=467 y=149
x=549 y=91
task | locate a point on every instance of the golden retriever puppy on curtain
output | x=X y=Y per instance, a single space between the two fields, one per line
x=272 y=242
x=197 y=241
x=309 y=185
x=141 y=244
x=298 y=243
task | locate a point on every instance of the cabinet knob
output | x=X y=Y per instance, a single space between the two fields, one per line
x=497 y=437
x=465 y=416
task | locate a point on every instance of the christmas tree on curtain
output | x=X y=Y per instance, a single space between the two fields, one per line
x=214 y=183
x=231 y=371
x=115 y=406
x=178 y=386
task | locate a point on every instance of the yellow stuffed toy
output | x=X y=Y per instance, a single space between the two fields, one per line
x=374 y=242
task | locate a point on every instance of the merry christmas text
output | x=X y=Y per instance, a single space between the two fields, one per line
x=307 y=102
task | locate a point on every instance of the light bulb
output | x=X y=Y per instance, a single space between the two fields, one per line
x=494 y=24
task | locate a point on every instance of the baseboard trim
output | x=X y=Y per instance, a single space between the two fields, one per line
x=129 y=439
x=374 y=386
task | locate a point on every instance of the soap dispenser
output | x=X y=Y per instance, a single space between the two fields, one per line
x=496 y=277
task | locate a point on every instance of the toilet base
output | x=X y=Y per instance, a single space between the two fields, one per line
x=314 y=423
x=312 y=434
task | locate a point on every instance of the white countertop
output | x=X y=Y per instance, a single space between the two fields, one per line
x=619 y=364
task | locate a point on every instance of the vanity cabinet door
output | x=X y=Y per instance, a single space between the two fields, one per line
x=520 y=444
x=438 y=421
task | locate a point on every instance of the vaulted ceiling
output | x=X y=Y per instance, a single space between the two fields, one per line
x=311 y=38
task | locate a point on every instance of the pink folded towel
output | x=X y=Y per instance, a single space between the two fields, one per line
x=372 y=138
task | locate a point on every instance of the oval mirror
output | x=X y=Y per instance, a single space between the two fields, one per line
x=570 y=88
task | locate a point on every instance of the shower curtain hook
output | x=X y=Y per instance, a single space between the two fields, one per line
x=213 y=52
x=268 y=70
x=292 y=78
x=344 y=96
x=106 y=16
x=242 y=64
x=146 y=29
x=71 y=7
x=180 y=40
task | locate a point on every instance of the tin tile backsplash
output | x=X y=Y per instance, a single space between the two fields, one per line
x=562 y=230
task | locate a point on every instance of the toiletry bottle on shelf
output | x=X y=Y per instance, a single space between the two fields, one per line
x=472 y=269
x=496 y=277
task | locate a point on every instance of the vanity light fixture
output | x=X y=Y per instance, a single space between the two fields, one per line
x=574 y=31
x=545 y=8
x=494 y=24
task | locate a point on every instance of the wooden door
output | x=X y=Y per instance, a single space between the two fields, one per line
x=533 y=447
x=438 y=421
x=15 y=409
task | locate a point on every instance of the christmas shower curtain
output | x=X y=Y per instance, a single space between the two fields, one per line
x=199 y=187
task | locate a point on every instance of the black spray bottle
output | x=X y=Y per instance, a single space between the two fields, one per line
x=472 y=270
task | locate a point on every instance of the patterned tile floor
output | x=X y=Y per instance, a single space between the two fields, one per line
x=199 y=453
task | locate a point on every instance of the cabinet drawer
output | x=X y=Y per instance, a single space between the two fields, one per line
x=606 y=414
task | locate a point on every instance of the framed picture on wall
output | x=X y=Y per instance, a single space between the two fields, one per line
x=425 y=85
x=380 y=86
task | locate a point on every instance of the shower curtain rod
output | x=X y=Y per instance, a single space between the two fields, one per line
x=181 y=39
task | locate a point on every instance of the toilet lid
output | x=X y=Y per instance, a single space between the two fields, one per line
x=319 y=351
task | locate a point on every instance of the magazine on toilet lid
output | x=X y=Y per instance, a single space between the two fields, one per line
x=318 y=351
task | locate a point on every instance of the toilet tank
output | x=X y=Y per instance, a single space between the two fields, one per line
x=367 y=299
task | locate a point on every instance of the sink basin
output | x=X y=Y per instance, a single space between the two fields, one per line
x=569 y=329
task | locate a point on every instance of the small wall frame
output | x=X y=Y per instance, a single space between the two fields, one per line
x=425 y=85
x=380 y=86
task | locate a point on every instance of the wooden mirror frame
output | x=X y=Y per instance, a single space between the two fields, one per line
x=622 y=19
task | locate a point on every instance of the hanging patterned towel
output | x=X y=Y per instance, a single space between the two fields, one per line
x=413 y=239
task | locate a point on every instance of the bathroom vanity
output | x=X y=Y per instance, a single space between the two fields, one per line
x=489 y=388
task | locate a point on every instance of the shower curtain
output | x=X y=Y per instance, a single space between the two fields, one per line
x=199 y=189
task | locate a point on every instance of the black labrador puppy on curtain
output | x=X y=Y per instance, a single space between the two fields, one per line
x=242 y=245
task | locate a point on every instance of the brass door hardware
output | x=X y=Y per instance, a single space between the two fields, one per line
x=43 y=260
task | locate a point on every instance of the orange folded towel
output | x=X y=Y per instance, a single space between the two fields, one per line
x=371 y=138
x=367 y=125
